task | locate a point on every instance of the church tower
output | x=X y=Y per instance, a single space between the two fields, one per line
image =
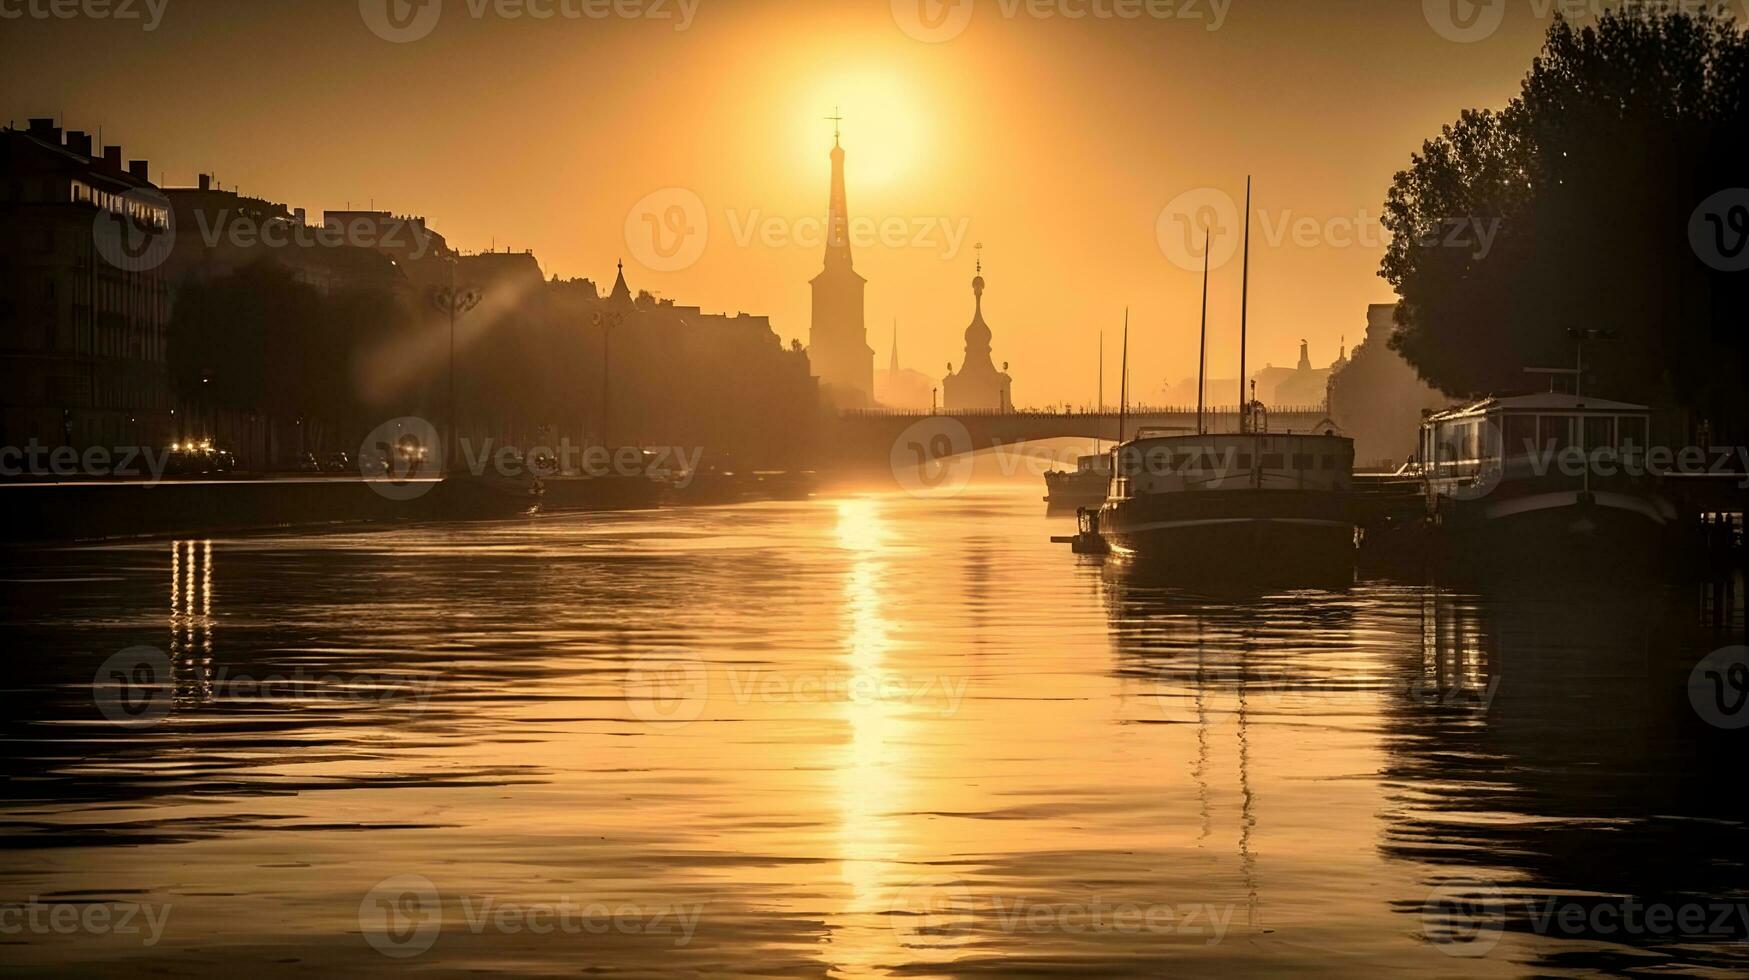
x=977 y=384
x=838 y=347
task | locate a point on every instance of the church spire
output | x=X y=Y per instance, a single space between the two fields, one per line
x=621 y=292
x=893 y=364
x=837 y=212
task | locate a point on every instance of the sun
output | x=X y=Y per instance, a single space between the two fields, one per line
x=880 y=121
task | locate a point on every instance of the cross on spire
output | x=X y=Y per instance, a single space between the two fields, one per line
x=835 y=118
x=979 y=248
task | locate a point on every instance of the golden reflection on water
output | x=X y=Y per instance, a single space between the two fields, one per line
x=1305 y=766
x=869 y=776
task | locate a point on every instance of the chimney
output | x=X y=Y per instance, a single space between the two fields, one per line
x=112 y=157
x=45 y=129
x=138 y=169
x=206 y=182
x=79 y=142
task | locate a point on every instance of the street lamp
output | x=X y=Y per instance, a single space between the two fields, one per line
x=606 y=322
x=454 y=302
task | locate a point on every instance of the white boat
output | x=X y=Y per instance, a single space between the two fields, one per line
x=1541 y=470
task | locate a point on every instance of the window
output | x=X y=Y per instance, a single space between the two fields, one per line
x=1327 y=462
x=1632 y=433
x=1273 y=461
x=1302 y=461
x=1242 y=462
x=1599 y=431
x=1520 y=435
x=1554 y=432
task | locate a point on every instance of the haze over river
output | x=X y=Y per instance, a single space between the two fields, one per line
x=850 y=736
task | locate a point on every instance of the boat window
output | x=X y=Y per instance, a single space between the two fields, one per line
x=1599 y=431
x=1302 y=461
x=1520 y=435
x=1273 y=461
x=1632 y=433
x=1328 y=462
x=1242 y=462
x=1554 y=432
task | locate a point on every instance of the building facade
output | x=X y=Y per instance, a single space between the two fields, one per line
x=84 y=303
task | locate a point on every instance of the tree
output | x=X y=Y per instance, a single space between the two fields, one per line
x=1572 y=208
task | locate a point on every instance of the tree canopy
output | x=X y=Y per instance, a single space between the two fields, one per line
x=1576 y=207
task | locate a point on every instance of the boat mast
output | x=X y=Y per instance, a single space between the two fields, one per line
x=1202 y=356
x=1123 y=397
x=1098 y=443
x=1244 y=304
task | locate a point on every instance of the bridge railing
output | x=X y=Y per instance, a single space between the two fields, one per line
x=1134 y=411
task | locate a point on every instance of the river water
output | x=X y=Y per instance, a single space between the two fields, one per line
x=858 y=735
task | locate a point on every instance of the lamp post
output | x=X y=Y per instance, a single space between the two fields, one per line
x=454 y=302
x=605 y=322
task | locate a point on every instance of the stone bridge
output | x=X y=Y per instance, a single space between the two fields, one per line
x=877 y=437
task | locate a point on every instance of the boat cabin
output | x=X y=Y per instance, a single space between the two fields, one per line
x=1152 y=464
x=1525 y=434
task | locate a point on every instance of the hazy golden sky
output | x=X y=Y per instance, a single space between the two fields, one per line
x=1058 y=142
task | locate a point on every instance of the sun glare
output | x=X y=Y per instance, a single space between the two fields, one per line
x=882 y=124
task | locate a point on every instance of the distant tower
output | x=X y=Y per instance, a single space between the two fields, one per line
x=893 y=362
x=621 y=294
x=977 y=385
x=838 y=347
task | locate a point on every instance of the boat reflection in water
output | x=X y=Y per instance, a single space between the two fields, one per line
x=1542 y=777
